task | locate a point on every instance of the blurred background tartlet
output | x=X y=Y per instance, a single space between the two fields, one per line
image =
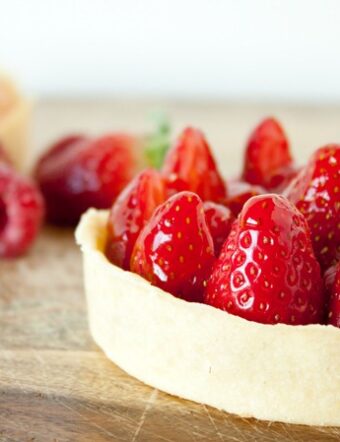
x=14 y=122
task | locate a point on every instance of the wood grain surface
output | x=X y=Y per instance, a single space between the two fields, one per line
x=55 y=384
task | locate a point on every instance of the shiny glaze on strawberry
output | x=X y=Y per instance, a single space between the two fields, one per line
x=129 y=214
x=267 y=155
x=175 y=250
x=316 y=193
x=267 y=271
x=219 y=220
x=189 y=165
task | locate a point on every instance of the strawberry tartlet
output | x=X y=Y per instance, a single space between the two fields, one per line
x=227 y=295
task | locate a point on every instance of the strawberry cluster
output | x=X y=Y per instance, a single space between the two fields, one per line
x=266 y=247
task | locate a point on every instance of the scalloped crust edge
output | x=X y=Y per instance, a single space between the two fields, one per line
x=194 y=351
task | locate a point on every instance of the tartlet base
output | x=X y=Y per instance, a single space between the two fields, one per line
x=197 y=352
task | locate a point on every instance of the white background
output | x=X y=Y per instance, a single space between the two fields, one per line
x=285 y=50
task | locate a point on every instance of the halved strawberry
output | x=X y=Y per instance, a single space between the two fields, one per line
x=189 y=165
x=316 y=193
x=219 y=220
x=267 y=271
x=239 y=192
x=175 y=251
x=332 y=284
x=267 y=152
x=129 y=214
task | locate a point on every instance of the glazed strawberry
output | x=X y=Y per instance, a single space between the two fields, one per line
x=130 y=212
x=239 y=192
x=219 y=220
x=21 y=212
x=332 y=284
x=189 y=165
x=175 y=250
x=281 y=178
x=267 y=271
x=80 y=172
x=267 y=154
x=316 y=193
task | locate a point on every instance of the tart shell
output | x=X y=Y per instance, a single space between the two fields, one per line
x=194 y=351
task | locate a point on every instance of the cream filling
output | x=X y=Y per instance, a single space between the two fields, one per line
x=194 y=351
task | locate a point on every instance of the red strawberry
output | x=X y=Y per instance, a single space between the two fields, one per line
x=282 y=177
x=219 y=220
x=316 y=193
x=267 y=154
x=61 y=147
x=175 y=250
x=189 y=165
x=21 y=212
x=130 y=212
x=239 y=193
x=79 y=172
x=332 y=284
x=267 y=271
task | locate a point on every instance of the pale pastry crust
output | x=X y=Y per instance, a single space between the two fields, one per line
x=15 y=113
x=197 y=352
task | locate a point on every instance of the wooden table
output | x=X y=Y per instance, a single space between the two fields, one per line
x=55 y=384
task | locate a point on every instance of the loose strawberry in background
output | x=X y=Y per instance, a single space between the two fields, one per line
x=21 y=212
x=332 y=284
x=219 y=220
x=175 y=251
x=189 y=165
x=268 y=161
x=267 y=271
x=239 y=192
x=316 y=193
x=61 y=147
x=80 y=172
x=130 y=212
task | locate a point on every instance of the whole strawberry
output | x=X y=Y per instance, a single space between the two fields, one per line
x=175 y=251
x=267 y=160
x=267 y=271
x=130 y=212
x=332 y=284
x=219 y=220
x=316 y=193
x=189 y=165
x=79 y=172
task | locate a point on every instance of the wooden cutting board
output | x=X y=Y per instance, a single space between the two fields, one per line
x=55 y=384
